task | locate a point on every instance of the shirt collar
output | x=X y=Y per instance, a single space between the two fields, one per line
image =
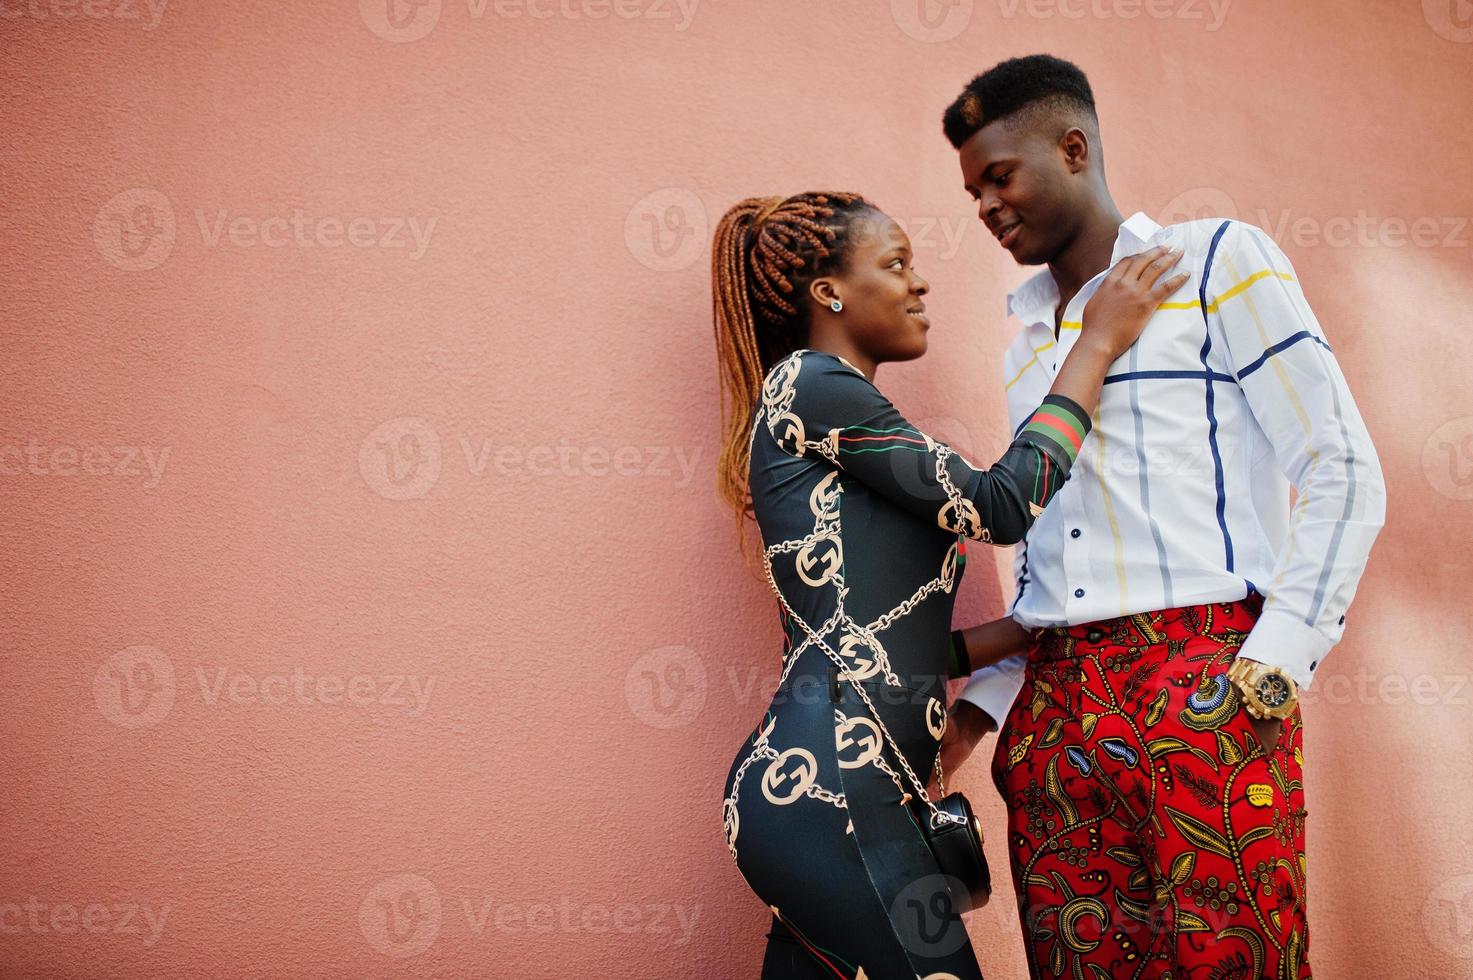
x=1035 y=300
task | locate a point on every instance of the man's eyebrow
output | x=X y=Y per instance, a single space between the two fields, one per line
x=997 y=163
x=969 y=186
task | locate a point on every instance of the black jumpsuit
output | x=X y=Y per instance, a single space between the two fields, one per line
x=864 y=522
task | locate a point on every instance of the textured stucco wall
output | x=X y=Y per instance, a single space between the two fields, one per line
x=358 y=429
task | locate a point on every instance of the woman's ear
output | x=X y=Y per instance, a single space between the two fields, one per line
x=824 y=291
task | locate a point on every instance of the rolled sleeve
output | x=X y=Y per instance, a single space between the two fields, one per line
x=995 y=687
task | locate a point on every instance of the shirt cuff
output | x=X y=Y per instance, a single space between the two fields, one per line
x=1281 y=639
x=994 y=688
x=1058 y=427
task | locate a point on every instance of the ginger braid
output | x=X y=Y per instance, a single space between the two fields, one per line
x=765 y=253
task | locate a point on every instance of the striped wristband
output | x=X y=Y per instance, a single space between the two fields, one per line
x=961 y=663
x=1058 y=427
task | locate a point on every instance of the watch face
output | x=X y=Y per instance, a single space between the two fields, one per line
x=1272 y=691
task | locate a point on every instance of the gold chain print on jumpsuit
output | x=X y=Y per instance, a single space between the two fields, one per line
x=865 y=522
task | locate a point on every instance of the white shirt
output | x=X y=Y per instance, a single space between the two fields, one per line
x=1180 y=492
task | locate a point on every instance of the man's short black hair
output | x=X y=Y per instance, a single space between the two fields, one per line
x=1037 y=81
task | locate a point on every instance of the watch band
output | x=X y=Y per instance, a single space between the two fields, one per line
x=1254 y=679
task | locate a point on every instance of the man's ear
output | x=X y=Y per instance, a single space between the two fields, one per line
x=1075 y=150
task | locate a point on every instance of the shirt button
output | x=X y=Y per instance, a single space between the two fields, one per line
x=1079 y=593
x=1313 y=664
x=1342 y=620
x=1075 y=533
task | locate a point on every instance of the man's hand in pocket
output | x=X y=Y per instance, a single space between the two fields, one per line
x=1266 y=730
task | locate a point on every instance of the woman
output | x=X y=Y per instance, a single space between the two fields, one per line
x=864 y=522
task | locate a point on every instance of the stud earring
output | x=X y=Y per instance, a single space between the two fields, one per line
x=836 y=306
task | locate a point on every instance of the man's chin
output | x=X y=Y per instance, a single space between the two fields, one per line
x=1028 y=258
x=1023 y=254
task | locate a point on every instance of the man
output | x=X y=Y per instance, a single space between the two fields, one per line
x=1150 y=737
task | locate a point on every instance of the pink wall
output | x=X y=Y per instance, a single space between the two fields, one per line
x=461 y=485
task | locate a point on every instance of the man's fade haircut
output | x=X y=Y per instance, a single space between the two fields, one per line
x=1028 y=88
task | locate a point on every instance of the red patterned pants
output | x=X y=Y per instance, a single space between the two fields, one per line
x=1150 y=834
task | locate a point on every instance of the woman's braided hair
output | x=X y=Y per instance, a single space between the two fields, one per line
x=765 y=254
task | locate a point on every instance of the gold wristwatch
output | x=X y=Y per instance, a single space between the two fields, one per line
x=1268 y=692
